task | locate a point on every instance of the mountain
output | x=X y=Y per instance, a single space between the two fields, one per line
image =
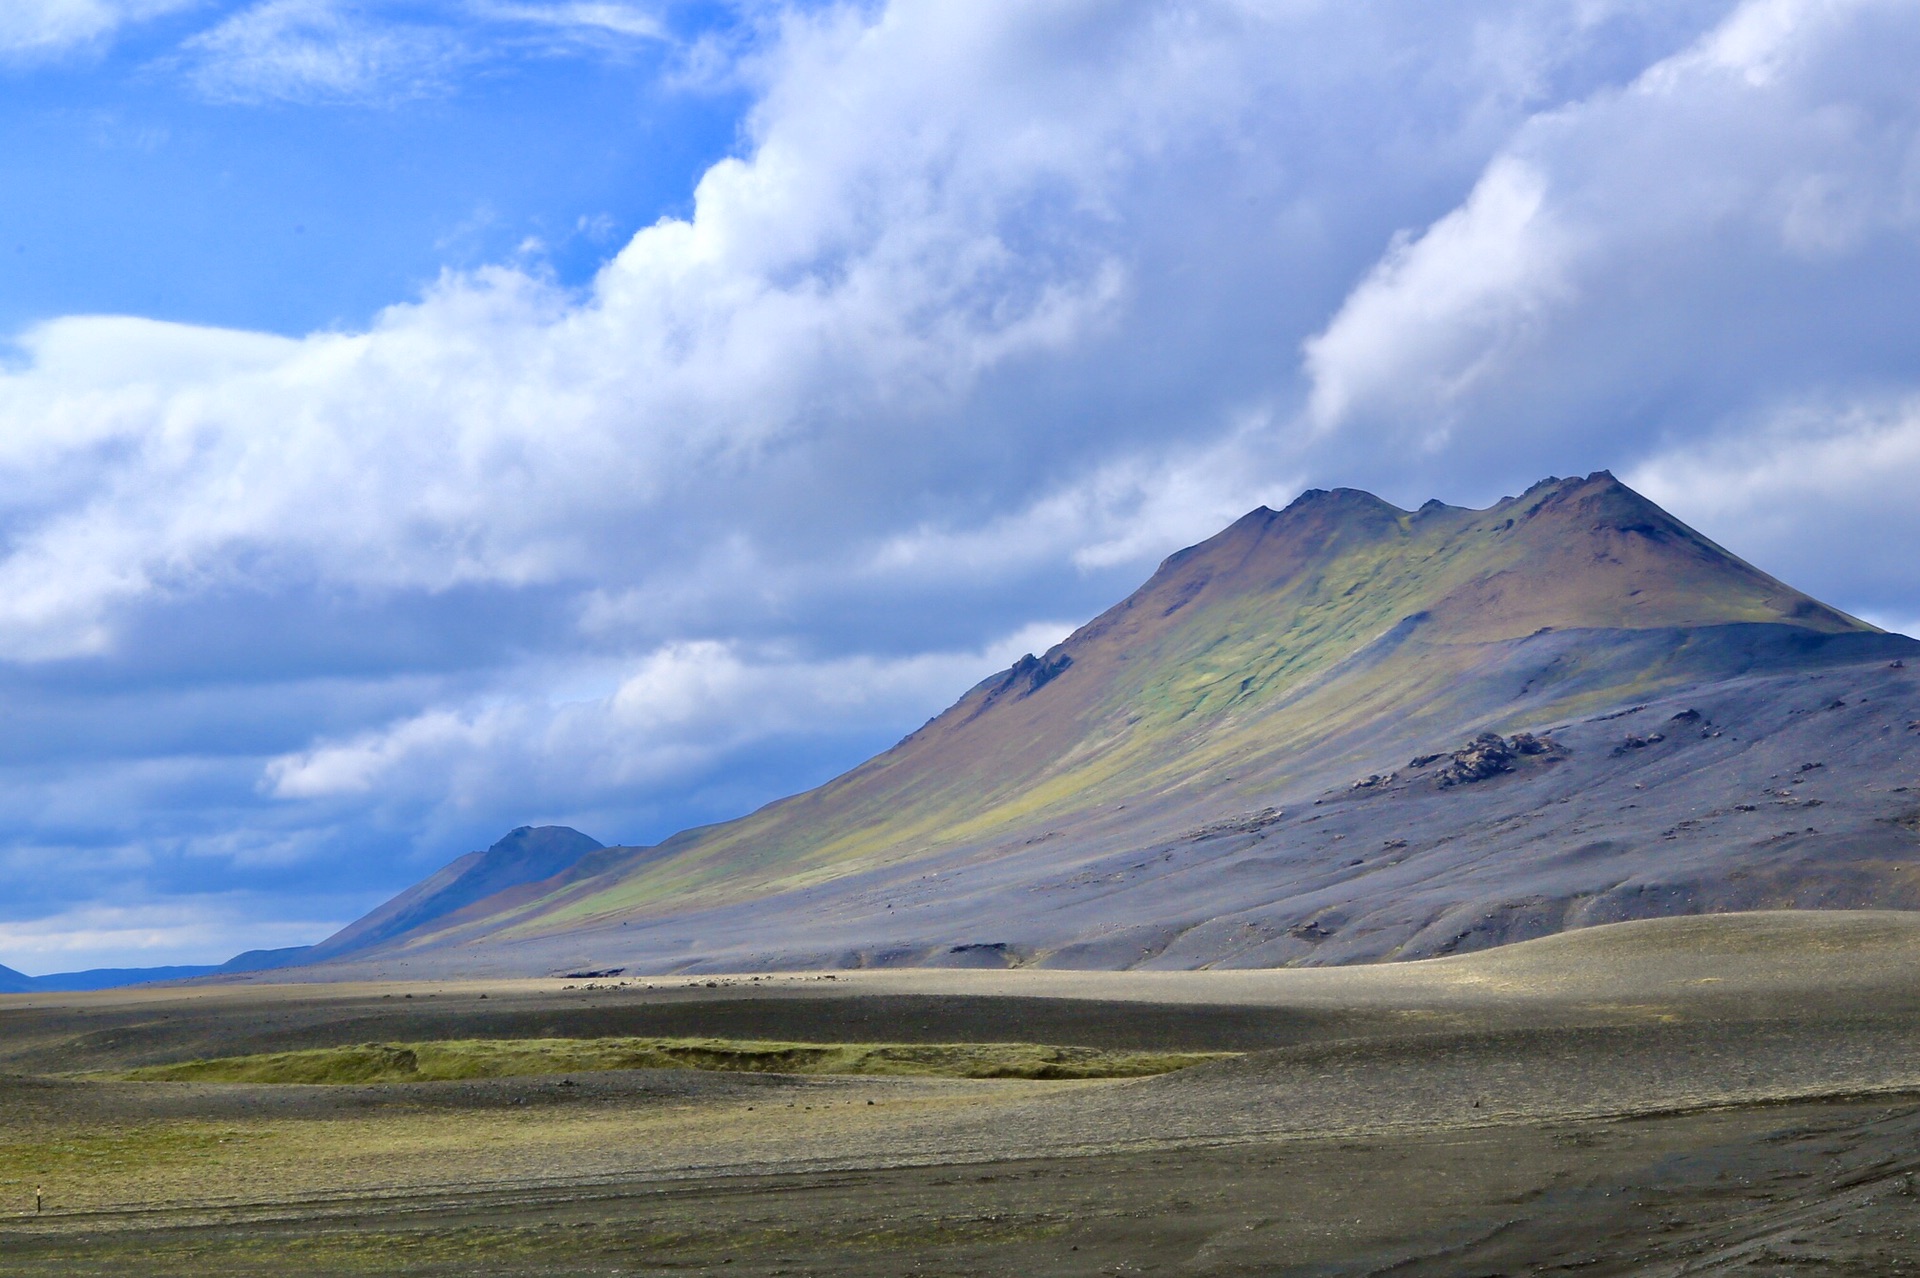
x=262 y=960
x=99 y=978
x=107 y=978
x=1338 y=732
x=526 y=855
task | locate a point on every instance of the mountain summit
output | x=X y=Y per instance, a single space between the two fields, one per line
x=1336 y=732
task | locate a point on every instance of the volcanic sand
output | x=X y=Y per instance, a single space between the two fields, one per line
x=1667 y=1096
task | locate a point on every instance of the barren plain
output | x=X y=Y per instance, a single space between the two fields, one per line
x=1694 y=1095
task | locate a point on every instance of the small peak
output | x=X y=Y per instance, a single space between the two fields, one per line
x=1434 y=507
x=1600 y=481
x=528 y=837
x=1315 y=499
x=1587 y=494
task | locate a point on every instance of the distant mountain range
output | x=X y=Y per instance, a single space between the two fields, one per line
x=107 y=978
x=526 y=855
x=1335 y=733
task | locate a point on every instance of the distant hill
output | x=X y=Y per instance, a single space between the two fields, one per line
x=99 y=978
x=1267 y=754
x=526 y=855
x=107 y=978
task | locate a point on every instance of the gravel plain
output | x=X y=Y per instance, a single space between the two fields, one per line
x=1697 y=1095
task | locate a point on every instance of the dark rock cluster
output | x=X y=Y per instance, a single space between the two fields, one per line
x=1489 y=755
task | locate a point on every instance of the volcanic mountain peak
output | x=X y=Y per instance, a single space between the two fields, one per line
x=1279 y=598
x=1566 y=553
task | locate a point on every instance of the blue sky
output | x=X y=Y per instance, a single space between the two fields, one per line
x=420 y=419
x=147 y=180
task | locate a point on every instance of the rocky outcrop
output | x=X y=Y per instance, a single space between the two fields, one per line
x=1489 y=755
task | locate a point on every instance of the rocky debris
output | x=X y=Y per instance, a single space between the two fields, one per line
x=1896 y=665
x=1246 y=823
x=1489 y=755
x=1809 y=767
x=1422 y=760
x=1309 y=931
x=1836 y=705
x=1637 y=743
x=1375 y=781
x=1694 y=719
x=583 y=976
x=1393 y=845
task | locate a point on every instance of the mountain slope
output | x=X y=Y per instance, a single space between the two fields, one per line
x=1266 y=668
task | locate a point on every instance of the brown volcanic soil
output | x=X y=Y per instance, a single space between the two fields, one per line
x=1674 y=1096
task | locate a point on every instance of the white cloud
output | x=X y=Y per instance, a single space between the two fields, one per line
x=939 y=205
x=39 y=28
x=579 y=18
x=202 y=930
x=1436 y=317
x=1814 y=489
x=672 y=714
x=320 y=51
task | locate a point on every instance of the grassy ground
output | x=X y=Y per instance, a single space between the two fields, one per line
x=516 y=1058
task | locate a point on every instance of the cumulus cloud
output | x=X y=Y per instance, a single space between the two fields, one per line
x=1701 y=253
x=1435 y=318
x=672 y=714
x=941 y=209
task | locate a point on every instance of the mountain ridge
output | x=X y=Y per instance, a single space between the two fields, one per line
x=1264 y=667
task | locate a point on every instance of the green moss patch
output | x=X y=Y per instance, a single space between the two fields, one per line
x=508 y=1058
